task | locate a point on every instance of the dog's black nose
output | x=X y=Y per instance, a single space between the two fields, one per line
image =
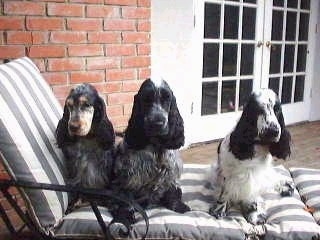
x=74 y=126
x=272 y=132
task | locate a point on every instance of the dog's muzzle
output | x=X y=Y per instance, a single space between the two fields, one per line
x=270 y=134
x=156 y=125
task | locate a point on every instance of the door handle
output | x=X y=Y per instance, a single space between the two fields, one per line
x=268 y=44
x=259 y=44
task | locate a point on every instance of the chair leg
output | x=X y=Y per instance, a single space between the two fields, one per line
x=104 y=228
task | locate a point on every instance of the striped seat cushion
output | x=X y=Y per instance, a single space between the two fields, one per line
x=286 y=216
x=29 y=114
x=308 y=184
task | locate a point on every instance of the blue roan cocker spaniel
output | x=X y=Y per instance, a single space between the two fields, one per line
x=147 y=163
x=244 y=167
x=86 y=137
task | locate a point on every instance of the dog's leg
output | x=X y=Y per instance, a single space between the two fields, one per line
x=254 y=212
x=219 y=209
x=172 y=200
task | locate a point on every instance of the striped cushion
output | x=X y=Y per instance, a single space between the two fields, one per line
x=29 y=114
x=308 y=184
x=287 y=218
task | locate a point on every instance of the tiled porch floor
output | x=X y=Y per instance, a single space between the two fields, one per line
x=305 y=148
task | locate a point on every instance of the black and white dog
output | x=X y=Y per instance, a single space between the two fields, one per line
x=244 y=167
x=147 y=162
x=86 y=137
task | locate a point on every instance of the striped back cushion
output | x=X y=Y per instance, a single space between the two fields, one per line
x=29 y=113
x=308 y=184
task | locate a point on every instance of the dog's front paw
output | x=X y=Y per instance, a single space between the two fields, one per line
x=287 y=189
x=256 y=218
x=180 y=207
x=219 y=210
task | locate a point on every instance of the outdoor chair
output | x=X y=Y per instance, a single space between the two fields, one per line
x=29 y=113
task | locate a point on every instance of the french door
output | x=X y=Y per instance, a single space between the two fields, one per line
x=245 y=45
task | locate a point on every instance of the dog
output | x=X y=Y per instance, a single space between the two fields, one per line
x=86 y=138
x=147 y=163
x=244 y=167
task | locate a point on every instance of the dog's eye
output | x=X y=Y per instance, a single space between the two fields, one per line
x=165 y=95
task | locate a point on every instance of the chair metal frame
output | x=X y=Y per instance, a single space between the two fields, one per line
x=91 y=195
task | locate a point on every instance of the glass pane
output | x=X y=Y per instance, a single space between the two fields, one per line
x=274 y=84
x=278 y=2
x=210 y=59
x=277 y=25
x=305 y=4
x=250 y=1
x=291 y=26
x=293 y=3
x=245 y=91
x=228 y=96
x=302 y=58
x=209 y=98
x=286 y=90
x=231 y=20
x=299 y=89
x=275 y=58
x=288 y=58
x=212 y=20
x=229 y=67
x=249 y=23
x=304 y=27
x=247 y=57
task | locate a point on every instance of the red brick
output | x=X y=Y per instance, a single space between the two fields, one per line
x=144 y=49
x=65 y=9
x=119 y=121
x=39 y=37
x=120 y=74
x=86 y=1
x=100 y=11
x=19 y=37
x=84 y=24
x=89 y=77
x=95 y=63
x=120 y=50
x=144 y=26
x=121 y=2
x=131 y=62
x=56 y=78
x=24 y=8
x=68 y=37
x=136 y=37
x=127 y=109
x=40 y=64
x=4 y=175
x=120 y=98
x=61 y=92
x=136 y=13
x=109 y=87
x=120 y=24
x=116 y=110
x=44 y=23
x=85 y=50
x=131 y=86
x=47 y=51
x=66 y=64
x=12 y=51
x=144 y=73
x=11 y=23
x=144 y=3
x=104 y=37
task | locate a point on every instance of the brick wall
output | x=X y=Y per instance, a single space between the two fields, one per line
x=102 y=42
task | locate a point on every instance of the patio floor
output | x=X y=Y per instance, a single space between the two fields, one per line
x=305 y=153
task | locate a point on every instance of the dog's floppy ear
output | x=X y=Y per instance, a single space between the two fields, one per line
x=282 y=148
x=62 y=134
x=103 y=127
x=134 y=134
x=175 y=138
x=242 y=138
